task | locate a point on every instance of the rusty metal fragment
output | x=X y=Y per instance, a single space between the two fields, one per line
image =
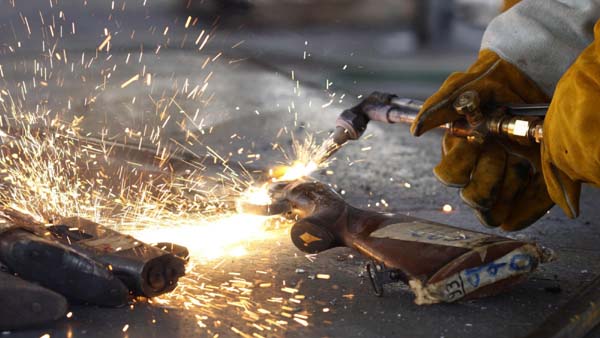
x=26 y=304
x=60 y=268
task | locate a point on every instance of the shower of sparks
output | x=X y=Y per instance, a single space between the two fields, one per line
x=139 y=170
x=50 y=171
x=257 y=195
x=303 y=161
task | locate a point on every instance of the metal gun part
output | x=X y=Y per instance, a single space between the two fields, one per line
x=26 y=305
x=431 y=257
x=146 y=270
x=60 y=268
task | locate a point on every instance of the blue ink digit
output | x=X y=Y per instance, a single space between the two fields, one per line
x=493 y=268
x=521 y=262
x=473 y=277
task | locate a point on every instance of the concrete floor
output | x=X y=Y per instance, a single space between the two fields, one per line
x=256 y=76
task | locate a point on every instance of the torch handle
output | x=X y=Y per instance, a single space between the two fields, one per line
x=522 y=123
x=519 y=122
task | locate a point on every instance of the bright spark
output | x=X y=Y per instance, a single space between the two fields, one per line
x=209 y=239
x=296 y=171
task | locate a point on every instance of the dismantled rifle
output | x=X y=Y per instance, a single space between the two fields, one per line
x=439 y=262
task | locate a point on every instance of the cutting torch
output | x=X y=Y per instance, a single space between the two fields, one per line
x=521 y=123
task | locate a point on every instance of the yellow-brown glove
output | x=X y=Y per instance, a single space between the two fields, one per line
x=507 y=4
x=570 y=149
x=500 y=180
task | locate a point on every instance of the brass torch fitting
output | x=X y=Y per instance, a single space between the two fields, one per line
x=525 y=130
x=467 y=104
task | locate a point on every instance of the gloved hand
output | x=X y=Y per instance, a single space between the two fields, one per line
x=502 y=181
x=570 y=149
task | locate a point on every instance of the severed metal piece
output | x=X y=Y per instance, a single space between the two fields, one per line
x=26 y=305
x=146 y=270
x=175 y=249
x=60 y=268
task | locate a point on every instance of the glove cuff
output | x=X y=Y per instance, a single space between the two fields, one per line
x=543 y=37
x=562 y=189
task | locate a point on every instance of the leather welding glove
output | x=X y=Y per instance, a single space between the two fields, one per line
x=570 y=149
x=524 y=53
x=502 y=181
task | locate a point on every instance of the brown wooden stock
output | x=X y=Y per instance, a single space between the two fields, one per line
x=421 y=250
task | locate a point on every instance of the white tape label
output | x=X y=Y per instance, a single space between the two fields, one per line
x=517 y=262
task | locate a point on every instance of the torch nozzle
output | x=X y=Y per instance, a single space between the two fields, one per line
x=332 y=144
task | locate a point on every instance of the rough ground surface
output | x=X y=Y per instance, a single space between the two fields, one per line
x=256 y=77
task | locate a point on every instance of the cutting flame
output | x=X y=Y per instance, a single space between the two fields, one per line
x=303 y=161
x=256 y=195
x=293 y=172
x=224 y=236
